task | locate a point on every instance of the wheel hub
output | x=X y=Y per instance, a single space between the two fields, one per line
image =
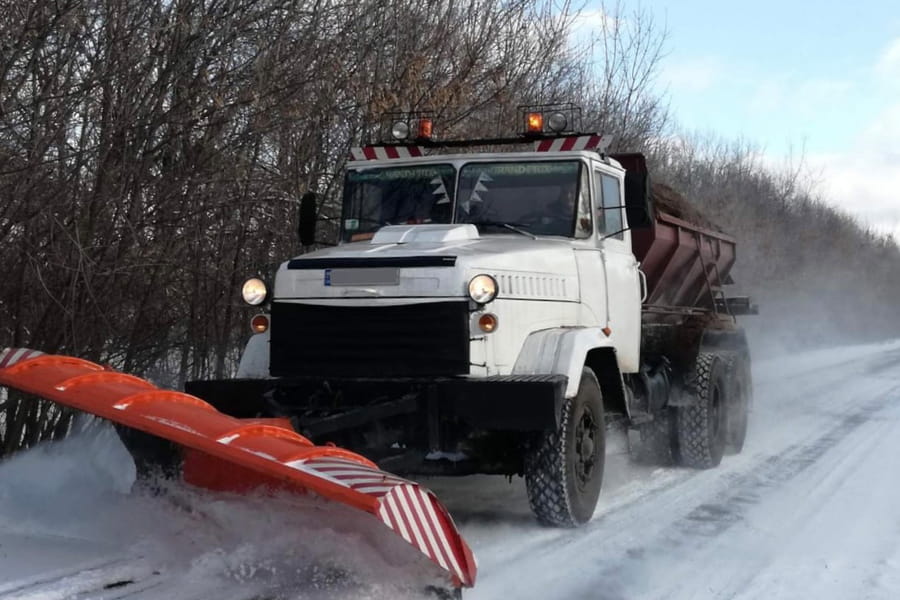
x=584 y=447
x=587 y=447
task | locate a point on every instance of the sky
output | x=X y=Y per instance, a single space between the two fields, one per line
x=811 y=79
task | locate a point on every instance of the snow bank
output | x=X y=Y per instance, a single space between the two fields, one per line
x=68 y=507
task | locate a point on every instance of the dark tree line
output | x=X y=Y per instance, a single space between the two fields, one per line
x=153 y=154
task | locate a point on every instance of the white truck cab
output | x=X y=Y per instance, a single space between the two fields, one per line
x=545 y=231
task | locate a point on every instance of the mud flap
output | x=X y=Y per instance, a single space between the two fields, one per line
x=225 y=453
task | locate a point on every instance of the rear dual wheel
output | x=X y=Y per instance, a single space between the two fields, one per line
x=717 y=420
x=564 y=468
x=739 y=406
x=701 y=427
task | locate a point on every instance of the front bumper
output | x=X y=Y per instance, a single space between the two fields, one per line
x=497 y=403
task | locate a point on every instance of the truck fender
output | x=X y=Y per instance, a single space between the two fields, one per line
x=725 y=341
x=722 y=342
x=255 y=359
x=565 y=351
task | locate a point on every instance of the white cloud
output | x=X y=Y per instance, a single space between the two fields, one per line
x=865 y=180
x=693 y=75
x=883 y=133
x=888 y=65
x=796 y=96
x=768 y=95
x=588 y=21
x=588 y=26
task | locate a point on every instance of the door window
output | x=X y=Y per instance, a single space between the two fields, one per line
x=610 y=219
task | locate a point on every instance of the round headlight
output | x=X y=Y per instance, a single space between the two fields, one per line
x=254 y=291
x=400 y=130
x=557 y=122
x=483 y=289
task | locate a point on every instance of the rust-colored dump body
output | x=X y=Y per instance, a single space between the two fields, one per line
x=685 y=259
x=684 y=263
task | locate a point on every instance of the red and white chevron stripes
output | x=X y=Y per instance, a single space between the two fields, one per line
x=407 y=508
x=385 y=152
x=579 y=142
x=10 y=356
x=350 y=474
x=410 y=511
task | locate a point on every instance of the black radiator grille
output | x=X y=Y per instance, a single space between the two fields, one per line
x=429 y=338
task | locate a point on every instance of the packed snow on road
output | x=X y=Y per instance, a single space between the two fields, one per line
x=807 y=510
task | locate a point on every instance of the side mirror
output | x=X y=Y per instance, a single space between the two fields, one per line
x=638 y=205
x=306 y=228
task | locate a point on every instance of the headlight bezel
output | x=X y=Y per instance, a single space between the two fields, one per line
x=479 y=292
x=254 y=291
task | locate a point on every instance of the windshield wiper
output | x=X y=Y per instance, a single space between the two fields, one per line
x=505 y=225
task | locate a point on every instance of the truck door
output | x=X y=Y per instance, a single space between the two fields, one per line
x=623 y=283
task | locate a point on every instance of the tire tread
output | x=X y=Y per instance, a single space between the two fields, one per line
x=547 y=472
x=695 y=446
x=548 y=494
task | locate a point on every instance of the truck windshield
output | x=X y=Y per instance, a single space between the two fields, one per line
x=542 y=198
x=396 y=195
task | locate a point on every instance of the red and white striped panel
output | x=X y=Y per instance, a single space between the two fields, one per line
x=385 y=152
x=11 y=356
x=350 y=474
x=577 y=142
x=410 y=511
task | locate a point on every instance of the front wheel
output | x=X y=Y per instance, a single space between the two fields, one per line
x=564 y=468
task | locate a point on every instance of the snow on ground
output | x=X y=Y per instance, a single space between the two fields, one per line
x=808 y=510
x=71 y=524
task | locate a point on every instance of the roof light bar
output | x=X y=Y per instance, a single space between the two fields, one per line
x=406 y=127
x=549 y=119
x=552 y=127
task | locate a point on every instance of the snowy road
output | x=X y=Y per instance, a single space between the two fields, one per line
x=810 y=509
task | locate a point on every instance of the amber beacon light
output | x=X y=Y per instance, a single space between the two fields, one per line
x=534 y=123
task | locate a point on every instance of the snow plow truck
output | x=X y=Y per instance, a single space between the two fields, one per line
x=495 y=311
x=488 y=309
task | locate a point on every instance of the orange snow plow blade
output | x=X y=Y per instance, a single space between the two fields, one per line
x=261 y=450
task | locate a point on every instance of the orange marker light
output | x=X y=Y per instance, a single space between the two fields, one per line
x=259 y=323
x=534 y=123
x=425 y=126
x=488 y=322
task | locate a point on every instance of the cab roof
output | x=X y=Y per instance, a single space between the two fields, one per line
x=460 y=158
